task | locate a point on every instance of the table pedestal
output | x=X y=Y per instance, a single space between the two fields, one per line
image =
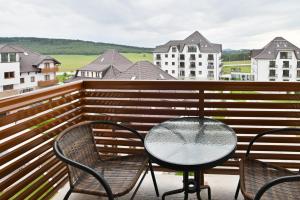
x=190 y=186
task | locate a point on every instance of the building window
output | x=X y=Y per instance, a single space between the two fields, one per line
x=173 y=49
x=158 y=63
x=286 y=73
x=200 y=72
x=166 y=71
x=4 y=57
x=298 y=73
x=8 y=75
x=192 y=73
x=286 y=64
x=200 y=63
x=32 y=79
x=82 y=73
x=181 y=64
x=47 y=65
x=272 y=63
x=285 y=55
x=47 y=77
x=192 y=49
x=22 y=80
x=200 y=55
x=173 y=71
x=181 y=73
x=173 y=63
x=8 y=87
x=12 y=57
x=181 y=57
x=173 y=55
x=210 y=74
x=192 y=65
x=298 y=64
x=166 y=63
x=210 y=57
x=97 y=74
x=210 y=66
x=158 y=57
x=192 y=57
x=166 y=55
x=272 y=73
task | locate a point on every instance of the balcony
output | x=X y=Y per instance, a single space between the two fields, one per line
x=50 y=69
x=210 y=66
x=30 y=122
x=272 y=75
x=47 y=83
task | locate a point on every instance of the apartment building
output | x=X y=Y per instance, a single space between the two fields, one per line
x=22 y=70
x=111 y=65
x=279 y=60
x=195 y=57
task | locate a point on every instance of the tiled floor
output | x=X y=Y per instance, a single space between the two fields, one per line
x=223 y=188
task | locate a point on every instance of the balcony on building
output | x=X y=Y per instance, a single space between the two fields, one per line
x=30 y=122
x=50 y=69
x=47 y=83
x=181 y=64
x=210 y=66
x=181 y=57
x=285 y=55
x=192 y=57
x=210 y=57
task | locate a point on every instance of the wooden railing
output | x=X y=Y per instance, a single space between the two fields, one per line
x=50 y=69
x=47 y=83
x=33 y=120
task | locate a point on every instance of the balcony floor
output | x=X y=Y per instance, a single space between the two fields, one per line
x=222 y=186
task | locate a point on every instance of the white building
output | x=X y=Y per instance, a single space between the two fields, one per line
x=279 y=60
x=22 y=70
x=192 y=58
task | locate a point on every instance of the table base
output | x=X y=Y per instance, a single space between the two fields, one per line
x=190 y=186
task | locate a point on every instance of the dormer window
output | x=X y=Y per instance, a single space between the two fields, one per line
x=4 y=57
x=12 y=57
x=192 y=49
x=174 y=49
x=47 y=65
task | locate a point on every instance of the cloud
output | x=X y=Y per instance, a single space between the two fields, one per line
x=234 y=23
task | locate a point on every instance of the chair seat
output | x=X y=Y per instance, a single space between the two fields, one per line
x=254 y=174
x=121 y=173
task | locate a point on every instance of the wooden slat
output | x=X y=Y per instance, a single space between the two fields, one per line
x=258 y=96
x=30 y=111
x=25 y=99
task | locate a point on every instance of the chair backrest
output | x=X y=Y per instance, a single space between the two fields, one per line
x=77 y=143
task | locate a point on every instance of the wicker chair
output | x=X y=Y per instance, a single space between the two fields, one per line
x=89 y=173
x=259 y=180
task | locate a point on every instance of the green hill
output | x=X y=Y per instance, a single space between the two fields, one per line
x=70 y=47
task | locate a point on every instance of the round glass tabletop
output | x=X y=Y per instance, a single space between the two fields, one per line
x=190 y=142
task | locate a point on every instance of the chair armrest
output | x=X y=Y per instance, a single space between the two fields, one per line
x=275 y=182
x=120 y=126
x=85 y=168
x=275 y=131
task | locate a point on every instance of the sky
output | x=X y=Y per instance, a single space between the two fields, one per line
x=236 y=24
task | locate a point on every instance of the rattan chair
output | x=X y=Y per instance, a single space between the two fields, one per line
x=260 y=180
x=93 y=174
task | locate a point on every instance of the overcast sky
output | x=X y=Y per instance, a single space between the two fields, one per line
x=236 y=24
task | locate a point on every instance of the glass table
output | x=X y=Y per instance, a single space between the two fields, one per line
x=190 y=144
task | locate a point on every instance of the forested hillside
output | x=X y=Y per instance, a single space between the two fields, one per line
x=70 y=47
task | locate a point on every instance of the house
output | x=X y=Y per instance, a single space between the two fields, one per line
x=107 y=66
x=279 y=60
x=22 y=70
x=195 y=57
x=111 y=65
x=144 y=70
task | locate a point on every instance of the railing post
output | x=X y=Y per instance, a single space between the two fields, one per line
x=201 y=103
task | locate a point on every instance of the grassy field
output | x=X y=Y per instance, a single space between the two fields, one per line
x=237 y=62
x=243 y=69
x=73 y=62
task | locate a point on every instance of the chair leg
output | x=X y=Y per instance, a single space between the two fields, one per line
x=68 y=194
x=237 y=190
x=153 y=179
x=138 y=186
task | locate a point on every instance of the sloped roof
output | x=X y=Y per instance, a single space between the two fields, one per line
x=195 y=38
x=107 y=59
x=144 y=70
x=271 y=50
x=29 y=60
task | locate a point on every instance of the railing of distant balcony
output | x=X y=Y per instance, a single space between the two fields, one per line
x=30 y=168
